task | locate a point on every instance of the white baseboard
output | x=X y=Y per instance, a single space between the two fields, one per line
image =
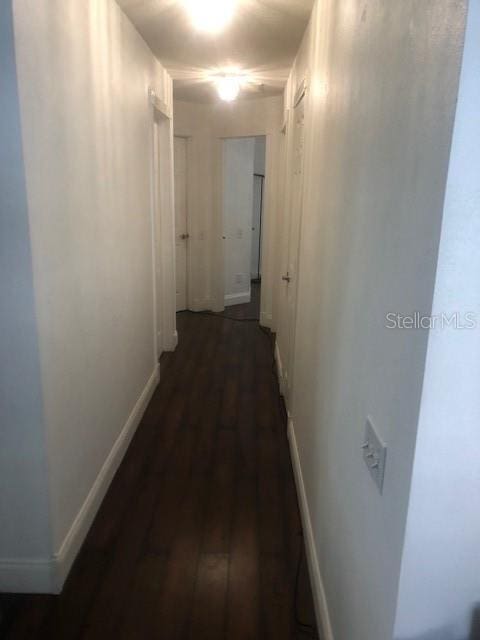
x=318 y=589
x=32 y=575
x=28 y=575
x=237 y=298
x=73 y=541
x=202 y=305
x=280 y=371
x=266 y=319
x=171 y=342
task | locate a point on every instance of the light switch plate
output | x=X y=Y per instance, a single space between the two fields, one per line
x=374 y=454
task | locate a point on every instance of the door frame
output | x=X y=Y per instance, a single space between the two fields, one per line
x=162 y=219
x=218 y=284
x=189 y=274
x=287 y=316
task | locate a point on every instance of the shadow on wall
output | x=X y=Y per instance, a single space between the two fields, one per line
x=448 y=633
x=475 y=630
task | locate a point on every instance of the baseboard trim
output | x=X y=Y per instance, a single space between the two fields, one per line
x=237 y=298
x=29 y=575
x=32 y=575
x=318 y=589
x=63 y=560
x=202 y=305
x=280 y=372
x=171 y=342
x=266 y=319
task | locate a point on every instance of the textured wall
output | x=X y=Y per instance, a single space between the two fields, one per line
x=440 y=582
x=24 y=530
x=84 y=74
x=381 y=104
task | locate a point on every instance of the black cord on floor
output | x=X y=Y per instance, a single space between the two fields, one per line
x=304 y=628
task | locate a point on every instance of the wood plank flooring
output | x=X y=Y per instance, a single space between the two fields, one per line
x=199 y=536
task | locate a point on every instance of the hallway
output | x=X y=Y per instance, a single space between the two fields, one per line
x=156 y=156
x=199 y=535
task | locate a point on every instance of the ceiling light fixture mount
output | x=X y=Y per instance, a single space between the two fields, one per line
x=210 y=16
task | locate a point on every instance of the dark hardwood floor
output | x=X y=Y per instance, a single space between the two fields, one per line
x=199 y=536
x=250 y=310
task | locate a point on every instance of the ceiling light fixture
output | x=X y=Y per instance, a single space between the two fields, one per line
x=228 y=87
x=210 y=15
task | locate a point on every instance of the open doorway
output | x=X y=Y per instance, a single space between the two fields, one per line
x=243 y=199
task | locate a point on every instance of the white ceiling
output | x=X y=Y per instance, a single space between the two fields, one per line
x=261 y=40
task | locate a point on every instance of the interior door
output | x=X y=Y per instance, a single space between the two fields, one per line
x=181 y=222
x=291 y=277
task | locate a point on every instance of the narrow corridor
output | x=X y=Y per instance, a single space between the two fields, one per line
x=199 y=535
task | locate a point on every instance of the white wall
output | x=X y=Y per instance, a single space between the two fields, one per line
x=24 y=506
x=440 y=579
x=238 y=168
x=206 y=125
x=383 y=80
x=260 y=151
x=84 y=76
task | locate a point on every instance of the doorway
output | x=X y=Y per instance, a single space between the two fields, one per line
x=243 y=189
x=181 y=221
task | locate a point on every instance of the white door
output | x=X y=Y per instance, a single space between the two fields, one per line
x=181 y=223
x=291 y=277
